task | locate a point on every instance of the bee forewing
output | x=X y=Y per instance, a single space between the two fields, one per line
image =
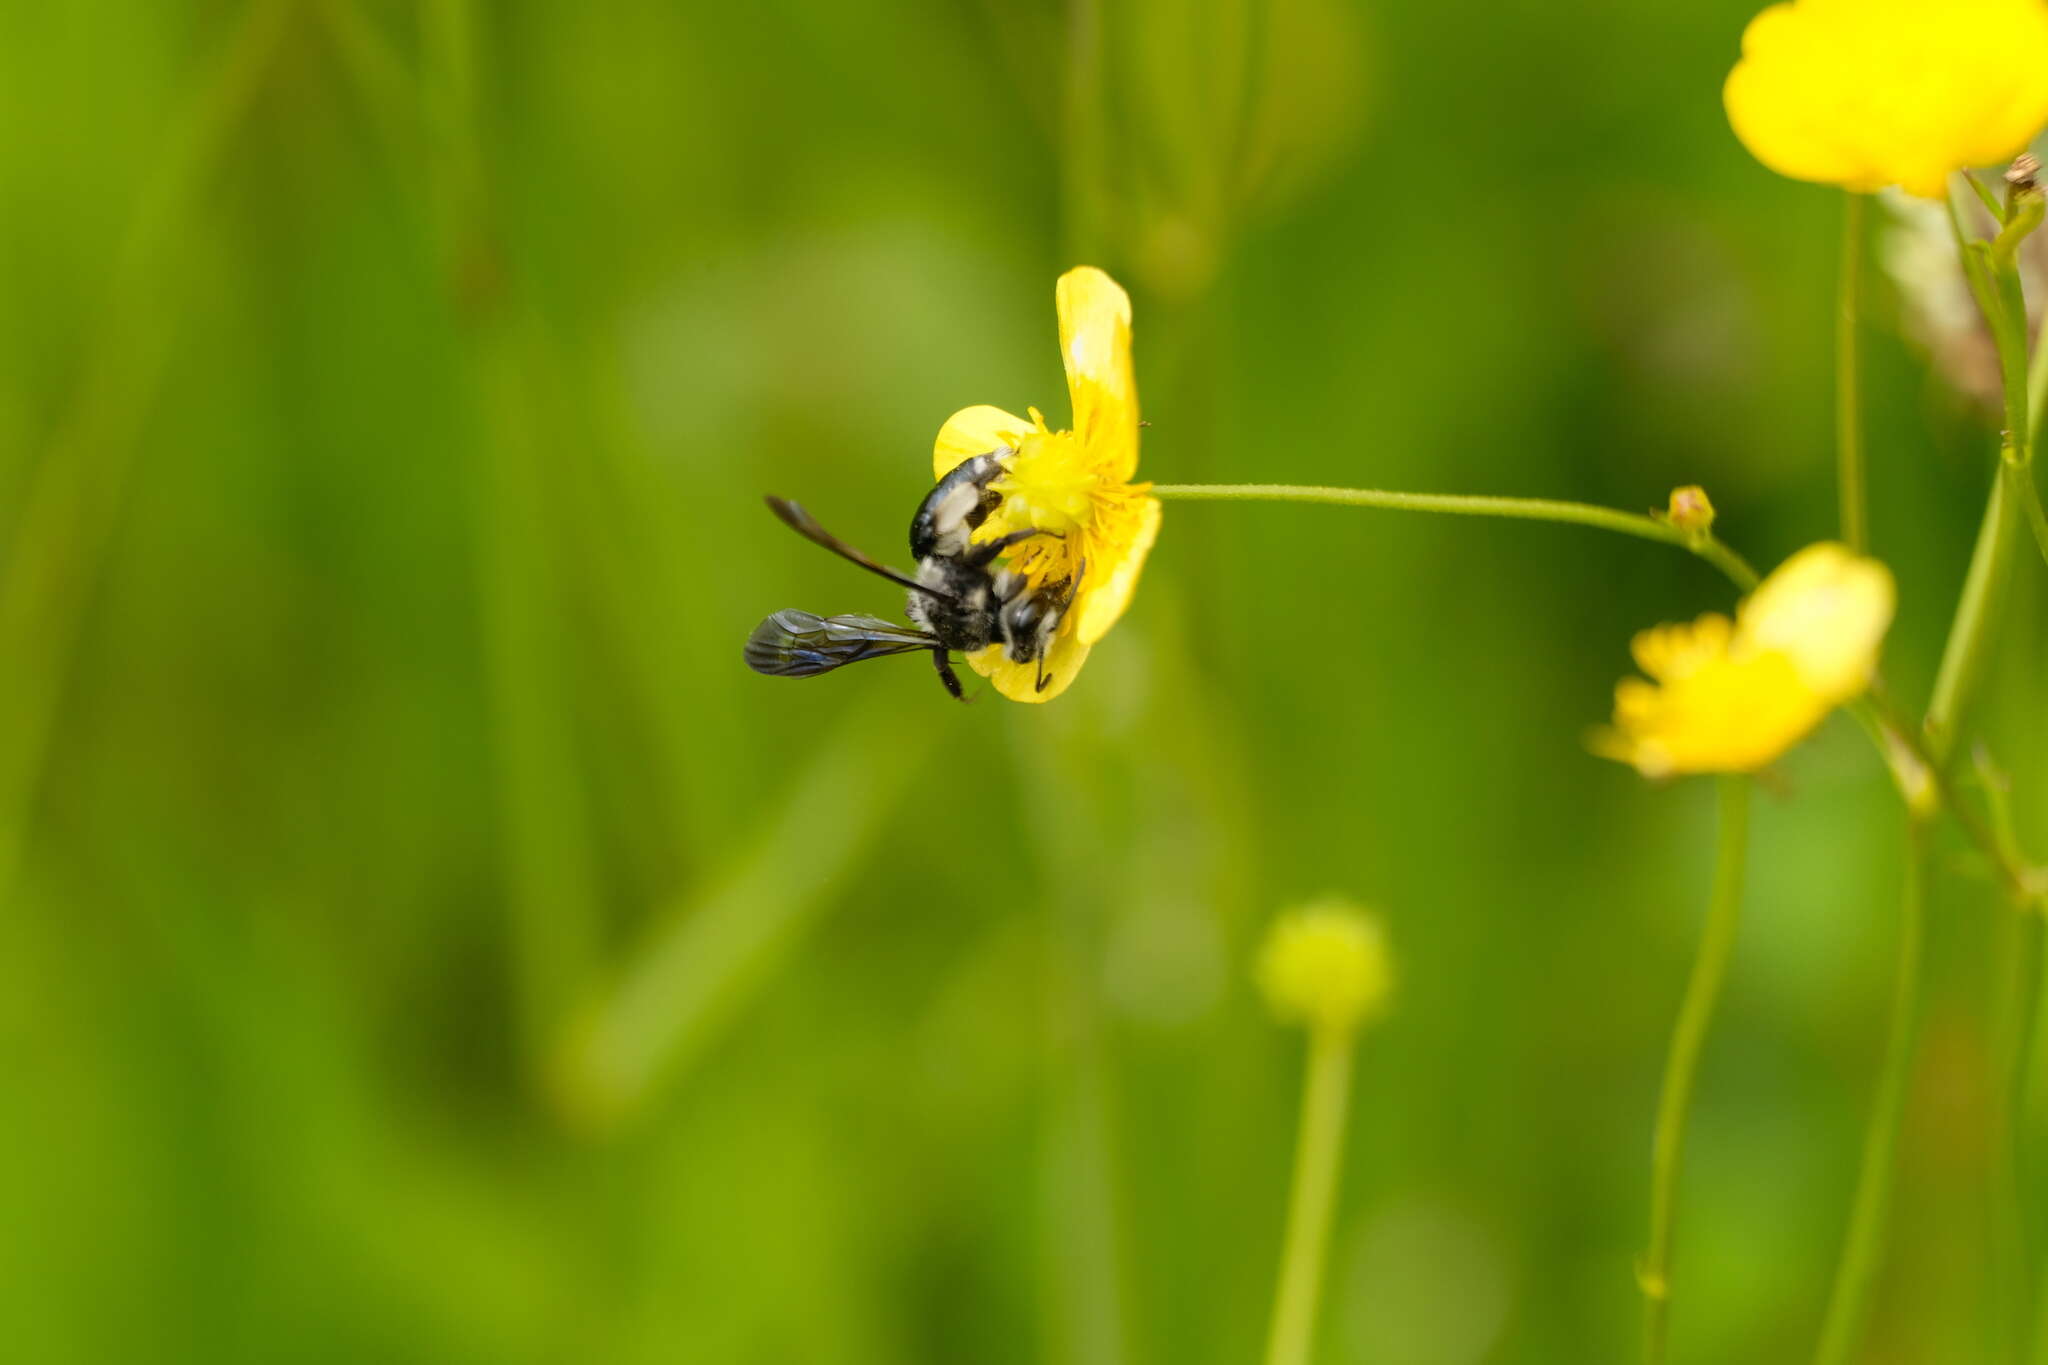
x=797 y=644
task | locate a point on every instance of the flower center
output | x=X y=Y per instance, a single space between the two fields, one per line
x=1050 y=484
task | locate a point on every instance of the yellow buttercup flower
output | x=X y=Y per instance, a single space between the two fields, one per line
x=1326 y=965
x=1074 y=484
x=1869 y=93
x=1731 y=696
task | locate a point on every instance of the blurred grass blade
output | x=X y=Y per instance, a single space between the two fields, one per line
x=715 y=951
x=1083 y=1238
x=550 y=877
x=75 y=493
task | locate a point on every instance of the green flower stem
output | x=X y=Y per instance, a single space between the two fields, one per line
x=1984 y=197
x=2009 y=330
x=2037 y=391
x=1869 y=1212
x=1695 y=1014
x=1958 y=666
x=1635 y=524
x=2020 y=488
x=1969 y=636
x=1849 y=461
x=1313 y=1199
x=1885 y=722
x=1994 y=279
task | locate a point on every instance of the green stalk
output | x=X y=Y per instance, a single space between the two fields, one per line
x=1681 y=1066
x=1994 y=279
x=1635 y=524
x=1969 y=637
x=1862 y=1251
x=2009 y=330
x=1849 y=460
x=1312 y=1201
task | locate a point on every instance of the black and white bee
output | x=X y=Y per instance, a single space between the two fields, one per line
x=959 y=600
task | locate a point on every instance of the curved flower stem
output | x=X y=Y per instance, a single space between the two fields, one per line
x=1695 y=1014
x=1869 y=1212
x=1325 y=1091
x=1849 y=461
x=1959 y=666
x=1635 y=524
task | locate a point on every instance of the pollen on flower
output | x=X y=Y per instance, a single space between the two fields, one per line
x=1732 y=696
x=1326 y=965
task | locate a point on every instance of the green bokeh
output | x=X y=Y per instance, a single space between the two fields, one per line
x=424 y=941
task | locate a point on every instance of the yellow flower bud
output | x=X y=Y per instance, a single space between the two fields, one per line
x=1326 y=965
x=1869 y=93
x=1690 y=511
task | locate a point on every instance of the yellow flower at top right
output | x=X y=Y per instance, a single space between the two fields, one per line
x=1869 y=93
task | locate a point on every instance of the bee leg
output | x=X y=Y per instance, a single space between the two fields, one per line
x=947 y=675
x=1044 y=679
x=981 y=554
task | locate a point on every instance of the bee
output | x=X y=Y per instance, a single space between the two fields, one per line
x=959 y=600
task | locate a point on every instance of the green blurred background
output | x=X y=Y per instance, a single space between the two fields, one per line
x=422 y=940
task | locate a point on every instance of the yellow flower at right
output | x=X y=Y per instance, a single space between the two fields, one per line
x=1731 y=696
x=1869 y=93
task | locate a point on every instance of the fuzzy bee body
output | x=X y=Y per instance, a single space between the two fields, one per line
x=958 y=601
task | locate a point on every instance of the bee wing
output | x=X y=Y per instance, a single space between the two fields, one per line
x=796 y=644
x=804 y=524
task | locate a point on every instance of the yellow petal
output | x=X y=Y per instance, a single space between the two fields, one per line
x=1827 y=610
x=1106 y=589
x=1868 y=93
x=1729 y=716
x=1095 y=344
x=975 y=431
x=1671 y=652
x=1019 y=682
